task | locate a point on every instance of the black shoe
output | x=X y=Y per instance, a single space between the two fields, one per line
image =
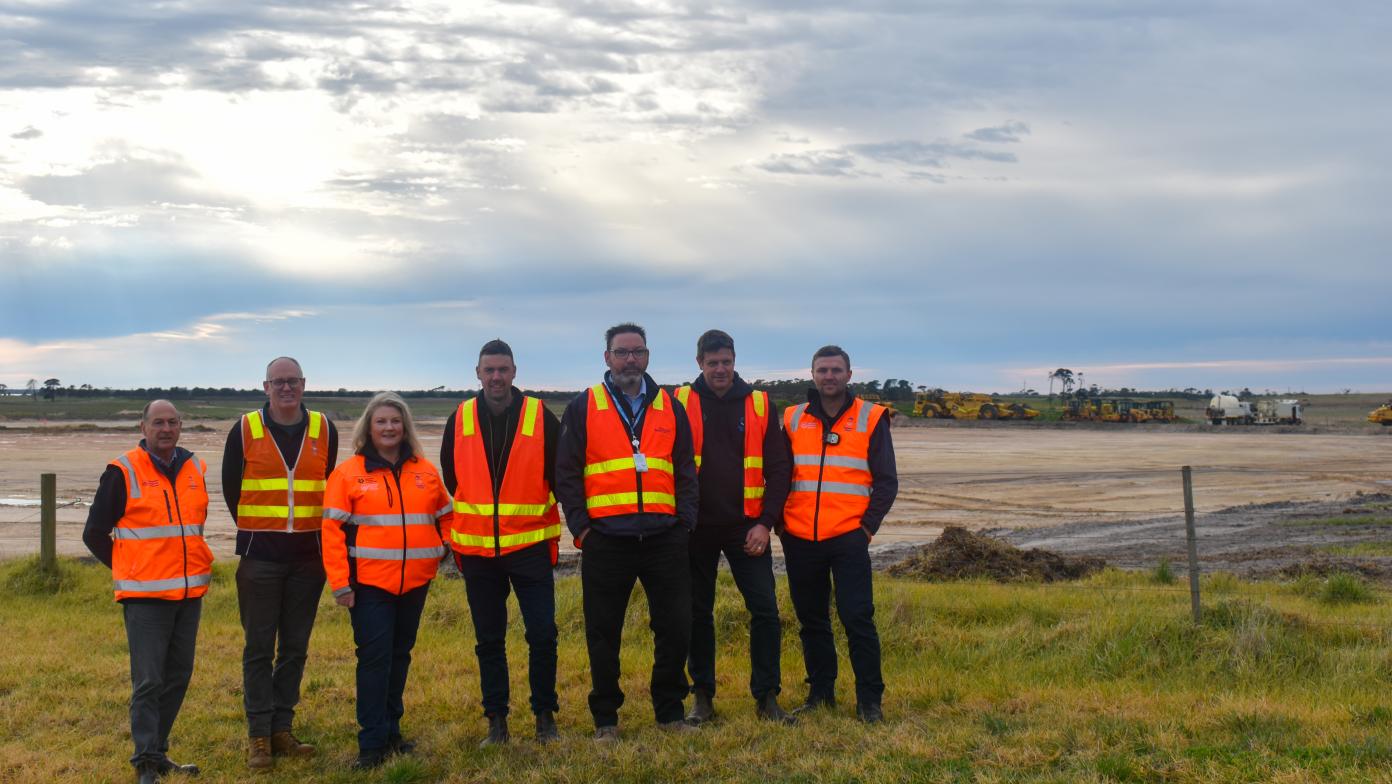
x=147 y=773
x=870 y=713
x=546 y=727
x=815 y=702
x=768 y=709
x=367 y=760
x=167 y=766
x=399 y=745
x=702 y=709
x=497 y=731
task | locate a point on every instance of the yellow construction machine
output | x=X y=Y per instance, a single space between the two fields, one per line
x=1382 y=415
x=939 y=404
x=1096 y=409
x=890 y=410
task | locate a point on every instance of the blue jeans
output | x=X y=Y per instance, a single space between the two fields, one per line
x=384 y=629
x=812 y=569
x=487 y=581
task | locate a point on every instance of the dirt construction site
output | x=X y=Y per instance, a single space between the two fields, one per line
x=1269 y=502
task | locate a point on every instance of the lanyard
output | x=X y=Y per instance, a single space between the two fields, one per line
x=632 y=422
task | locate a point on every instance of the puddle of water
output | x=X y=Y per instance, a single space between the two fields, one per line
x=19 y=502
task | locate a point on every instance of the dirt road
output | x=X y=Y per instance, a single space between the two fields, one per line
x=1001 y=477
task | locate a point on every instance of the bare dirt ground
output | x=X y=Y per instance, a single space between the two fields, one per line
x=1108 y=490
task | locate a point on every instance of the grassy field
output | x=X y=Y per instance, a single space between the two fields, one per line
x=1101 y=681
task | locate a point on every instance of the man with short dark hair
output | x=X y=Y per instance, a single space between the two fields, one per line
x=743 y=467
x=627 y=481
x=274 y=470
x=844 y=481
x=146 y=524
x=498 y=461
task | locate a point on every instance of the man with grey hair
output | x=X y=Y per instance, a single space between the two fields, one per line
x=274 y=471
x=146 y=524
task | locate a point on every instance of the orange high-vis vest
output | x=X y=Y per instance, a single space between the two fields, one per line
x=276 y=496
x=831 y=483
x=524 y=511
x=158 y=550
x=756 y=422
x=383 y=531
x=613 y=484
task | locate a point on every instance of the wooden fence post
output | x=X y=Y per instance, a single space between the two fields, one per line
x=1192 y=538
x=48 y=522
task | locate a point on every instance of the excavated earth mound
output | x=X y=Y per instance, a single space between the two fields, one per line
x=960 y=554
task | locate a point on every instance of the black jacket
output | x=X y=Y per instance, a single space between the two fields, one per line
x=722 y=459
x=279 y=546
x=497 y=450
x=884 y=475
x=570 y=474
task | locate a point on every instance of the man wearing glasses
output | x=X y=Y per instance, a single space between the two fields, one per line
x=626 y=478
x=274 y=469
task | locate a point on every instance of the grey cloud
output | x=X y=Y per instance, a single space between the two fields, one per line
x=824 y=163
x=28 y=133
x=925 y=153
x=1009 y=132
x=123 y=183
x=846 y=160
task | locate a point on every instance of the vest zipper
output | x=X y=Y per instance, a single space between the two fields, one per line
x=396 y=476
x=817 y=499
x=183 y=541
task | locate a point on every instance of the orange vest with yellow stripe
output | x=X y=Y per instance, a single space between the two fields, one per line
x=158 y=551
x=756 y=422
x=613 y=484
x=831 y=483
x=381 y=530
x=275 y=496
x=524 y=511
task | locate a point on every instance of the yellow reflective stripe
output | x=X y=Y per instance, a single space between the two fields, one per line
x=601 y=399
x=760 y=403
x=659 y=402
x=466 y=417
x=619 y=499
x=753 y=462
x=282 y=484
x=316 y=420
x=254 y=419
x=683 y=394
x=526 y=537
x=753 y=492
x=251 y=510
x=504 y=510
x=620 y=463
x=698 y=461
x=529 y=415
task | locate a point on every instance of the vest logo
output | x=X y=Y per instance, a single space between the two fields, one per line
x=849 y=427
x=420 y=482
x=193 y=483
x=808 y=425
x=150 y=483
x=367 y=483
x=661 y=429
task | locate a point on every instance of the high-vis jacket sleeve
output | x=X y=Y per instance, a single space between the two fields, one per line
x=335 y=545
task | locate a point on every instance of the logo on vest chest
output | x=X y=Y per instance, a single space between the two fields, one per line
x=809 y=425
x=367 y=483
x=420 y=482
x=153 y=483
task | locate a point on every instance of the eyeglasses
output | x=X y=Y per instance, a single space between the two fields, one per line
x=285 y=383
x=623 y=353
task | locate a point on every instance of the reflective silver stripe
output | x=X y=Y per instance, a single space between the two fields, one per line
x=344 y=590
x=134 y=491
x=157 y=532
x=444 y=510
x=833 y=460
x=863 y=420
x=797 y=417
x=171 y=584
x=337 y=514
x=392 y=519
x=842 y=488
x=395 y=553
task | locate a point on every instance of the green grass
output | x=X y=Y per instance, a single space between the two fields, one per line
x=1357 y=549
x=1342 y=520
x=1099 y=681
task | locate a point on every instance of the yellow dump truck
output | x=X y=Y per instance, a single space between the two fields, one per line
x=939 y=404
x=1096 y=409
x=1382 y=415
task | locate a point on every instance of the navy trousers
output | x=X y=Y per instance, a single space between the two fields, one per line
x=384 y=629
x=754 y=577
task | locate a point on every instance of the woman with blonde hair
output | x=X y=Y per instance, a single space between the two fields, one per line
x=383 y=512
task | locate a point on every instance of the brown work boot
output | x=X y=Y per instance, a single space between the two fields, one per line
x=285 y=744
x=259 y=753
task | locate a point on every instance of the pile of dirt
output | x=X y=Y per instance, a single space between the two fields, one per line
x=960 y=554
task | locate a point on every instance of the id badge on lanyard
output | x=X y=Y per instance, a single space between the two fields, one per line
x=640 y=460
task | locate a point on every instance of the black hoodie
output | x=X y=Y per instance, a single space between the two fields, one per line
x=722 y=459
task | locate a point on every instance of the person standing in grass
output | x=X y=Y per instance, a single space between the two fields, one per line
x=627 y=481
x=146 y=524
x=273 y=471
x=498 y=459
x=383 y=512
x=844 y=481
x=743 y=467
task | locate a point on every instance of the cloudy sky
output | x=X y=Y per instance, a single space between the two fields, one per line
x=965 y=194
